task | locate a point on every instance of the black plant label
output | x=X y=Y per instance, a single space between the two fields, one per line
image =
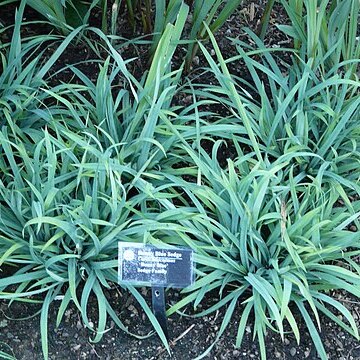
x=150 y=266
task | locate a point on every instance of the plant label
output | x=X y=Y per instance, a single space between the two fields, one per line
x=141 y=264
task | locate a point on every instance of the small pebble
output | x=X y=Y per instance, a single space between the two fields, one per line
x=3 y=323
x=79 y=325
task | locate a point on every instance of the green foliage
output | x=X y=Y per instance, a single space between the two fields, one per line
x=5 y=355
x=214 y=13
x=300 y=113
x=64 y=209
x=65 y=14
x=273 y=233
x=269 y=243
x=24 y=77
x=88 y=164
x=264 y=22
x=68 y=14
x=209 y=13
x=74 y=177
x=326 y=29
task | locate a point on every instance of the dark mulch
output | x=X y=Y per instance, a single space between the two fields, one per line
x=189 y=336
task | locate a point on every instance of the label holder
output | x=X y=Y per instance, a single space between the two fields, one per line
x=135 y=256
x=158 y=306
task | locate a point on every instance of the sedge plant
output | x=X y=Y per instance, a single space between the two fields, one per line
x=63 y=210
x=326 y=29
x=297 y=108
x=275 y=238
x=74 y=178
x=272 y=247
x=66 y=14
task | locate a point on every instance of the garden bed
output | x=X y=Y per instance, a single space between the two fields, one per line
x=191 y=336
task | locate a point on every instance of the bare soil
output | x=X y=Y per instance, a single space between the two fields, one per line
x=189 y=336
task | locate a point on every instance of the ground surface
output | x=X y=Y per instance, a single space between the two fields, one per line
x=190 y=337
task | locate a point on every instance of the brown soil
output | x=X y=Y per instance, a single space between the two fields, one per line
x=189 y=336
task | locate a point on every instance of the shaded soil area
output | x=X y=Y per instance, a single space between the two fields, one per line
x=189 y=336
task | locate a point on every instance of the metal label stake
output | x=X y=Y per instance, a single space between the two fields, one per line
x=146 y=265
x=158 y=306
